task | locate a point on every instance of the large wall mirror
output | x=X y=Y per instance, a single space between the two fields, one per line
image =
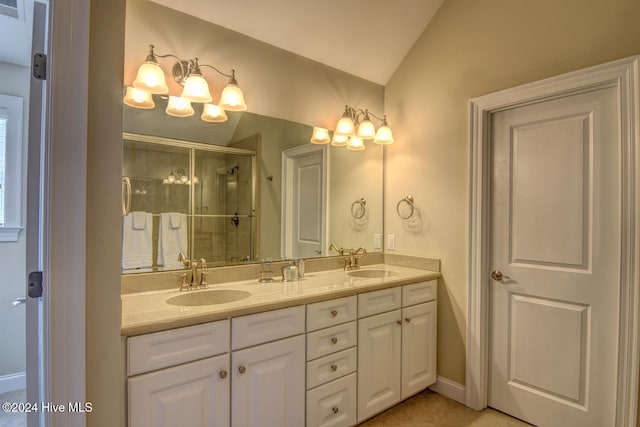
x=290 y=198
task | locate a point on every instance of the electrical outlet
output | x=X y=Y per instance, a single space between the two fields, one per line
x=377 y=241
x=391 y=242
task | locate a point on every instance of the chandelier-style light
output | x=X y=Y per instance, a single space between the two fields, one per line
x=353 y=128
x=150 y=80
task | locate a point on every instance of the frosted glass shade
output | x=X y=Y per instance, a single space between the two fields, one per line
x=345 y=127
x=196 y=89
x=320 y=136
x=366 y=130
x=355 y=143
x=339 y=140
x=232 y=98
x=213 y=113
x=150 y=77
x=137 y=98
x=179 y=107
x=384 y=136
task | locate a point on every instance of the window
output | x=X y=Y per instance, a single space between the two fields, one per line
x=10 y=167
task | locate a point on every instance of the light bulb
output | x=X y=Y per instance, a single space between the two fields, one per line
x=179 y=107
x=151 y=78
x=339 y=140
x=366 y=130
x=138 y=98
x=345 y=127
x=196 y=89
x=320 y=136
x=213 y=113
x=232 y=98
x=355 y=143
x=171 y=178
x=384 y=136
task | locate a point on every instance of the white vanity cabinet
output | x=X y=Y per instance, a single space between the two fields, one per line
x=332 y=363
x=194 y=392
x=268 y=376
x=396 y=345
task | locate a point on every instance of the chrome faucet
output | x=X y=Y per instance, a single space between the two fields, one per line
x=352 y=262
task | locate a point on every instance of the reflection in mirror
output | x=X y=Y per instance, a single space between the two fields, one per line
x=342 y=177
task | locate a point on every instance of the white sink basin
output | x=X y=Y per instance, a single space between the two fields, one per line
x=208 y=297
x=372 y=274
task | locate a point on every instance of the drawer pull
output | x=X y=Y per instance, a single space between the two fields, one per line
x=334 y=340
x=335 y=409
x=334 y=368
x=407 y=319
x=223 y=374
x=242 y=369
x=334 y=313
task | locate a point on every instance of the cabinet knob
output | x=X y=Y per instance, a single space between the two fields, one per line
x=399 y=322
x=334 y=313
x=223 y=374
x=334 y=368
x=334 y=340
x=335 y=409
x=407 y=319
x=242 y=369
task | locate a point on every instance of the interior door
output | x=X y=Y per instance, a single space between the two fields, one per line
x=555 y=254
x=308 y=206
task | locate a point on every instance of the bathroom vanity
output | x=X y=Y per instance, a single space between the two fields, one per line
x=332 y=349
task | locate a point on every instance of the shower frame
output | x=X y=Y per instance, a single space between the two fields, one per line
x=192 y=147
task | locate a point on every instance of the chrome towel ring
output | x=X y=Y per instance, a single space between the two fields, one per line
x=359 y=208
x=409 y=201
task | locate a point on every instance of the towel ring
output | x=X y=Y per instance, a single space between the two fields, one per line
x=409 y=201
x=360 y=206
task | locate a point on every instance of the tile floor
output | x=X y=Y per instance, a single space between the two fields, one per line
x=429 y=409
x=426 y=409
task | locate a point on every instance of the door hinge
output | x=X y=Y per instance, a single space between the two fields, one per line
x=35 y=284
x=39 y=66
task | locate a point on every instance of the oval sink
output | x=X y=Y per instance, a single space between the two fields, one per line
x=372 y=274
x=208 y=297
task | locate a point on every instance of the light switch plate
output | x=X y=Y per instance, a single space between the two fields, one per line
x=377 y=241
x=391 y=242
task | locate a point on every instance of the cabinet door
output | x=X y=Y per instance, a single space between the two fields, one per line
x=269 y=384
x=418 y=348
x=194 y=394
x=378 y=363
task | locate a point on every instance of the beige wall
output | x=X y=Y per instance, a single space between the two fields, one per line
x=472 y=48
x=15 y=81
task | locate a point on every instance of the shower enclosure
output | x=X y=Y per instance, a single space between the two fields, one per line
x=214 y=186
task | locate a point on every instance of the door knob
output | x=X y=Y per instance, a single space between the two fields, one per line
x=498 y=276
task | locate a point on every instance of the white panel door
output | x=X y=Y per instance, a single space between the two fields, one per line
x=308 y=205
x=194 y=394
x=555 y=233
x=268 y=385
x=379 y=340
x=418 y=347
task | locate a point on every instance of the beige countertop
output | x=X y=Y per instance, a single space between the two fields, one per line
x=146 y=312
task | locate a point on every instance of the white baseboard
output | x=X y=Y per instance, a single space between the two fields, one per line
x=13 y=382
x=450 y=389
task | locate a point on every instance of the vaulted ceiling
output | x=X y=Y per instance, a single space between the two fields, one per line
x=365 y=38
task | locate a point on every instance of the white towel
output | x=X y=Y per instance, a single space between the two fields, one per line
x=172 y=240
x=137 y=243
x=139 y=220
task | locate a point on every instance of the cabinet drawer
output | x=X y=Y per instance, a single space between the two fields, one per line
x=259 y=328
x=333 y=404
x=328 y=368
x=149 y=352
x=329 y=313
x=375 y=302
x=419 y=292
x=330 y=340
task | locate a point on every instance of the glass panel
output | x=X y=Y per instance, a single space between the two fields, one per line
x=223 y=240
x=3 y=145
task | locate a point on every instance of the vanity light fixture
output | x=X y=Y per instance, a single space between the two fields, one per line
x=353 y=128
x=179 y=176
x=150 y=79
